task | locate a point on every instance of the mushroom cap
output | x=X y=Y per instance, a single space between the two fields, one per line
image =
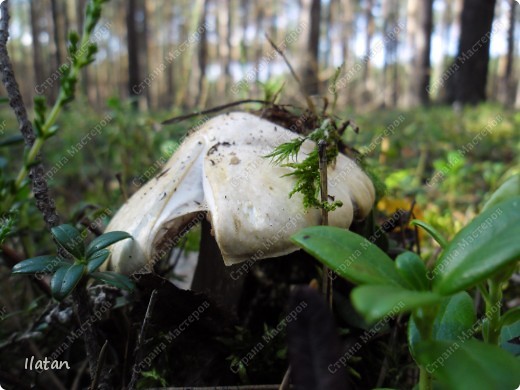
x=220 y=172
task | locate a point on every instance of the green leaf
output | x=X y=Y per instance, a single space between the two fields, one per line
x=455 y=320
x=65 y=279
x=154 y=375
x=375 y=301
x=40 y=264
x=70 y=239
x=348 y=254
x=12 y=140
x=510 y=317
x=7 y=222
x=485 y=246
x=412 y=270
x=105 y=240
x=115 y=279
x=98 y=258
x=509 y=189
x=434 y=233
x=51 y=132
x=509 y=334
x=469 y=365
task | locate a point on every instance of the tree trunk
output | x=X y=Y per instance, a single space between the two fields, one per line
x=273 y=13
x=388 y=50
x=38 y=63
x=390 y=15
x=347 y=18
x=229 y=41
x=224 y=44
x=444 y=34
x=84 y=79
x=506 y=83
x=329 y=22
x=470 y=78
x=395 y=75
x=422 y=12
x=134 y=79
x=58 y=22
x=245 y=7
x=259 y=38
x=423 y=56
x=190 y=69
x=203 y=59
x=170 y=69
x=412 y=30
x=369 y=33
x=143 y=47
x=310 y=73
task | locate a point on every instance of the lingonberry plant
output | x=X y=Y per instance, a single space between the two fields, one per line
x=74 y=262
x=445 y=338
x=87 y=261
x=14 y=193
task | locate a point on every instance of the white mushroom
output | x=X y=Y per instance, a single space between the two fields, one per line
x=221 y=170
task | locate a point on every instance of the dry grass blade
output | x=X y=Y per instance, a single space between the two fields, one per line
x=308 y=99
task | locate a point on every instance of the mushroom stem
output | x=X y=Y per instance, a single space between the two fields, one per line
x=326 y=282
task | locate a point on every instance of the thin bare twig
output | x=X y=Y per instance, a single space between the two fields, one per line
x=213 y=110
x=286 y=380
x=101 y=363
x=326 y=280
x=138 y=351
x=308 y=99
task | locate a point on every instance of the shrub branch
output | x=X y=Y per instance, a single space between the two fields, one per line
x=44 y=202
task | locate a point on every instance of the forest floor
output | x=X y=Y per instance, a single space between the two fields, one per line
x=444 y=161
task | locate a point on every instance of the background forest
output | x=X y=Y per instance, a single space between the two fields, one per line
x=184 y=54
